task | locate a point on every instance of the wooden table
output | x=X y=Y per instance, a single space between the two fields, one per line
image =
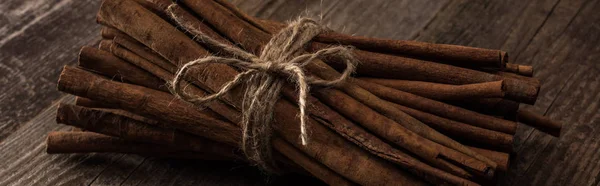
x=561 y=39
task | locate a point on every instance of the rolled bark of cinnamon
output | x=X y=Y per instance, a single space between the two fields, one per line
x=395 y=67
x=71 y=79
x=385 y=152
x=105 y=44
x=539 y=122
x=75 y=86
x=492 y=138
x=455 y=129
x=89 y=57
x=88 y=142
x=131 y=129
x=135 y=46
x=502 y=158
x=372 y=144
x=191 y=51
x=523 y=70
x=110 y=33
x=76 y=81
x=85 y=102
x=532 y=81
x=144 y=52
x=440 y=109
x=451 y=54
x=507 y=109
x=375 y=64
x=443 y=92
x=464 y=56
x=464 y=96
x=252 y=39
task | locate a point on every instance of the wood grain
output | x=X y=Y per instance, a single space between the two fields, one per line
x=39 y=37
x=559 y=38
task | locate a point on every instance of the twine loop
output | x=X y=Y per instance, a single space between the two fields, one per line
x=263 y=76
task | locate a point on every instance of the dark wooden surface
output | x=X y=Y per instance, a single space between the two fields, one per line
x=560 y=38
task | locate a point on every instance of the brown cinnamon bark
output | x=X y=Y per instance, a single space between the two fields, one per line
x=252 y=39
x=136 y=47
x=451 y=54
x=539 y=122
x=88 y=142
x=85 y=102
x=443 y=92
x=502 y=158
x=78 y=84
x=110 y=33
x=72 y=81
x=471 y=95
x=506 y=109
x=459 y=130
x=523 y=70
x=396 y=67
x=90 y=58
x=368 y=142
x=183 y=54
x=105 y=44
x=135 y=130
x=456 y=55
x=532 y=81
x=440 y=109
x=144 y=52
x=315 y=168
x=481 y=135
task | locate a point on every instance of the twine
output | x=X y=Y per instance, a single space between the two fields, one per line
x=280 y=60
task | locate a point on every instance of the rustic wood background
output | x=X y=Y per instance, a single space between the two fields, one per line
x=560 y=38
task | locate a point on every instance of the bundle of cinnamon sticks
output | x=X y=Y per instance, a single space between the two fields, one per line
x=413 y=113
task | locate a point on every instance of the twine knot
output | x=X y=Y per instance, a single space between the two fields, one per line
x=280 y=60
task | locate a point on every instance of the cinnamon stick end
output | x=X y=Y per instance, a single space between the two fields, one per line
x=540 y=122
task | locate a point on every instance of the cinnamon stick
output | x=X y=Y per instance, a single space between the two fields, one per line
x=451 y=54
x=465 y=96
x=88 y=142
x=71 y=79
x=396 y=67
x=502 y=158
x=440 y=109
x=144 y=52
x=507 y=109
x=135 y=130
x=519 y=69
x=105 y=45
x=85 y=102
x=532 y=81
x=372 y=144
x=539 y=122
x=456 y=55
x=459 y=130
x=89 y=58
x=102 y=87
x=443 y=92
x=252 y=39
x=186 y=53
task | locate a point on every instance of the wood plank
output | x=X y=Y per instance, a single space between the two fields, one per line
x=378 y=18
x=541 y=33
x=118 y=172
x=558 y=37
x=25 y=161
x=33 y=53
x=574 y=158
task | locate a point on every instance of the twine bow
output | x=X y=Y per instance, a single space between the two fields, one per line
x=264 y=77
